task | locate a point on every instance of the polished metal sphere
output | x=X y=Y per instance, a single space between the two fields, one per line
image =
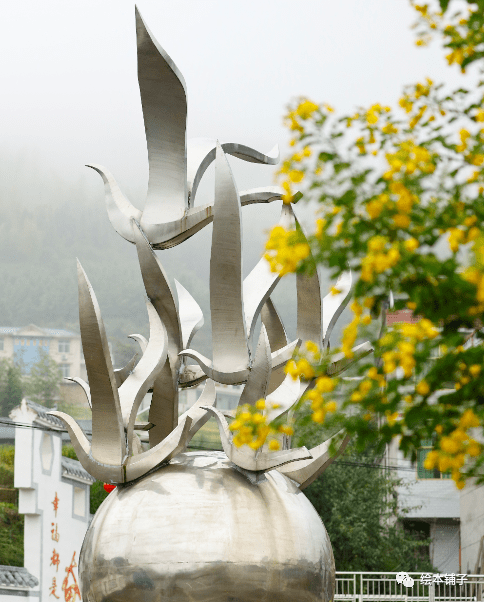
x=202 y=529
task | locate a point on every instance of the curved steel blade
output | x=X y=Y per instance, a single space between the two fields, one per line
x=333 y=305
x=309 y=308
x=259 y=375
x=159 y=292
x=234 y=377
x=140 y=339
x=164 y=405
x=198 y=415
x=83 y=384
x=138 y=465
x=260 y=283
x=201 y=153
x=135 y=387
x=229 y=340
x=277 y=340
x=285 y=396
x=108 y=439
x=191 y=316
x=340 y=363
x=164 y=102
x=122 y=373
x=102 y=472
x=305 y=472
x=120 y=210
x=249 y=459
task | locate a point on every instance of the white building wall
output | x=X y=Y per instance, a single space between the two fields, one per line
x=434 y=501
x=472 y=524
x=444 y=550
x=56 y=509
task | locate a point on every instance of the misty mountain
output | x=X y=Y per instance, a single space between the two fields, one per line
x=47 y=222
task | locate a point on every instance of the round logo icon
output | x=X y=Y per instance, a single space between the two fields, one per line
x=404 y=579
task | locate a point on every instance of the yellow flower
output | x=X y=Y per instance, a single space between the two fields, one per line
x=296 y=175
x=305 y=369
x=448 y=445
x=320 y=227
x=411 y=244
x=411 y=305
x=366 y=320
x=475 y=370
x=431 y=460
x=373 y=373
x=374 y=208
x=473 y=449
x=371 y=117
x=311 y=347
x=401 y=220
x=274 y=445
x=306 y=108
x=422 y=388
x=331 y=406
x=469 y=419
x=260 y=404
x=389 y=129
x=325 y=384
x=377 y=243
x=477 y=160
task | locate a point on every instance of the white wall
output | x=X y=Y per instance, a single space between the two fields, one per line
x=472 y=524
x=48 y=534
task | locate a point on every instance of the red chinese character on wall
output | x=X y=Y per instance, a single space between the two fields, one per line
x=71 y=591
x=55 y=534
x=55 y=503
x=52 y=588
x=55 y=560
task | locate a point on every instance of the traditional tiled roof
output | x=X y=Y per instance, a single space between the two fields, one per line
x=73 y=468
x=16 y=576
x=43 y=417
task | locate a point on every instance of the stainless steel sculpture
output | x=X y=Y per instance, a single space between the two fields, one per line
x=199 y=526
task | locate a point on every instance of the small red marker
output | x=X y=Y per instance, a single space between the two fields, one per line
x=108 y=487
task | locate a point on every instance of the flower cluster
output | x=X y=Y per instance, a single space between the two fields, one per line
x=453 y=449
x=285 y=250
x=250 y=427
x=462 y=33
x=395 y=187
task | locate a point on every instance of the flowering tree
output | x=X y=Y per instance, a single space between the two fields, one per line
x=401 y=195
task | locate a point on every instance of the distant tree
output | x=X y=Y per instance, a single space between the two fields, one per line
x=11 y=388
x=42 y=384
x=11 y=522
x=356 y=500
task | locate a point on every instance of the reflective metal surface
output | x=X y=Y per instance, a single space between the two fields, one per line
x=108 y=440
x=200 y=527
x=201 y=530
x=258 y=379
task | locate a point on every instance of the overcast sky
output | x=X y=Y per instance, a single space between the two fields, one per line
x=70 y=92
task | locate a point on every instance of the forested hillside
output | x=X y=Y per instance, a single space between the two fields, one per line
x=47 y=221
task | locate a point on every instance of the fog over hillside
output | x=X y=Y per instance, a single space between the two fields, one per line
x=48 y=220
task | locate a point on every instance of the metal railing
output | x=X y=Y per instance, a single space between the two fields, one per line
x=373 y=587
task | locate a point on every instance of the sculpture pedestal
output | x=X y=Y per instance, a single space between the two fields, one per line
x=201 y=529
